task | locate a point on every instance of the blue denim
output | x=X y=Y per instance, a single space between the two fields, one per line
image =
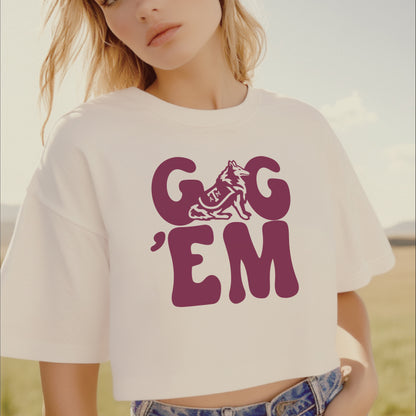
x=309 y=397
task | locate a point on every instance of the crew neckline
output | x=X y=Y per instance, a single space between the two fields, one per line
x=194 y=116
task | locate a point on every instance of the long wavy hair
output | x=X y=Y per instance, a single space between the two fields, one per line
x=80 y=25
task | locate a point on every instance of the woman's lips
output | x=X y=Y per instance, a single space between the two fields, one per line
x=164 y=36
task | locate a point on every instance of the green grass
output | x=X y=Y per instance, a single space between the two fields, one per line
x=390 y=302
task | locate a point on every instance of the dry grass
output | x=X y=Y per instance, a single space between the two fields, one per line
x=390 y=300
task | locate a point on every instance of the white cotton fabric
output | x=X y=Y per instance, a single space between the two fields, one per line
x=104 y=245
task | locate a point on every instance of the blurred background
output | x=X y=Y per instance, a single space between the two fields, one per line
x=352 y=60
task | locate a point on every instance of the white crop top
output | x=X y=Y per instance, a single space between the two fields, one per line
x=200 y=251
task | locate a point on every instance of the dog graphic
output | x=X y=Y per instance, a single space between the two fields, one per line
x=229 y=190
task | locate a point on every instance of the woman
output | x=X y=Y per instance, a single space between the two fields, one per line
x=185 y=332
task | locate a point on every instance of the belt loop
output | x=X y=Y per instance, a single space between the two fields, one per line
x=144 y=407
x=268 y=409
x=317 y=393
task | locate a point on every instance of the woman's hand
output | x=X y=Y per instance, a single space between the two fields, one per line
x=357 y=396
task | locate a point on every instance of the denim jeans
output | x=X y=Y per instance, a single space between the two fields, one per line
x=309 y=397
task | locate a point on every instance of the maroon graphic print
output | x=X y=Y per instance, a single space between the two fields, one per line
x=229 y=190
x=234 y=188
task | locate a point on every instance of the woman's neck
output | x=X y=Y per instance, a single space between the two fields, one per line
x=205 y=82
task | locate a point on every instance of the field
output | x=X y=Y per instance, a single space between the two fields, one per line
x=391 y=307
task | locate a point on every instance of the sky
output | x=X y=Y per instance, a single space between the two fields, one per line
x=352 y=60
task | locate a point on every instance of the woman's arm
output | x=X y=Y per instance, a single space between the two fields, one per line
x=355 y=350
x=69 y=389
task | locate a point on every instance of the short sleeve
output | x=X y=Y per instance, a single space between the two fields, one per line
x=362 y=249
x=55 y=275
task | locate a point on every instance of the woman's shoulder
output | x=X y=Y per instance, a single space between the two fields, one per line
x=289 y=103
x=90 y=119
x=112 y=102
x=298 y=116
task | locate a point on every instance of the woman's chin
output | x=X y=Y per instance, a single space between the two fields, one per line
x=171 y=60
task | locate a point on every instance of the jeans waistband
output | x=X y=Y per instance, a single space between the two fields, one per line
x=313 y=392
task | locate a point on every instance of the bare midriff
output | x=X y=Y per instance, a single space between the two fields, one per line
x=243 y=397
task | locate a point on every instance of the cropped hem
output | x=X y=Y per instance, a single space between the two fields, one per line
x=125 y=390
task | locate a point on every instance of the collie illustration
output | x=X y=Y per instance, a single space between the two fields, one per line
x=229 y=190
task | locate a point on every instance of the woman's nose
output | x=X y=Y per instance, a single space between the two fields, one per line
x=147 y=9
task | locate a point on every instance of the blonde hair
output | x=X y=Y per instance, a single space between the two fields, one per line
x=112 y=65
